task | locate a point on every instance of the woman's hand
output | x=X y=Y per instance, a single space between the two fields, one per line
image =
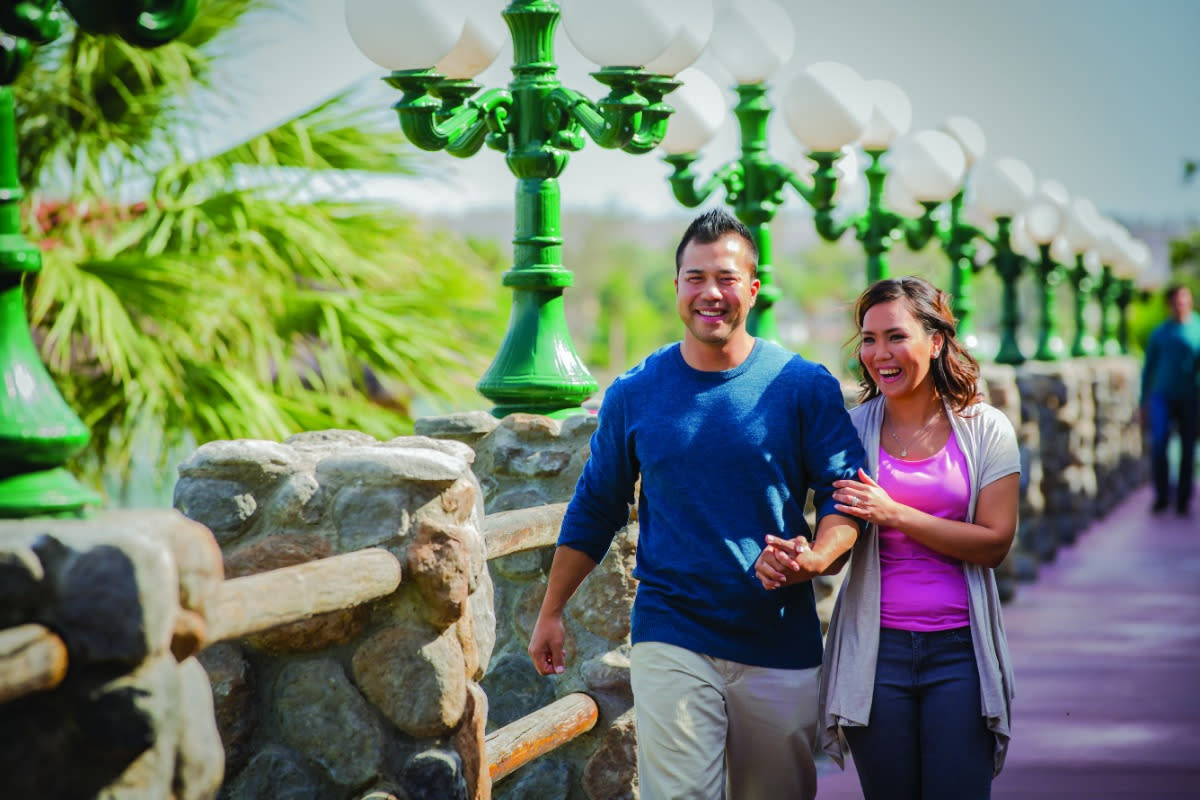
x=866 y=499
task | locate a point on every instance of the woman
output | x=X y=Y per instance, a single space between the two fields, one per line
x=916 y=677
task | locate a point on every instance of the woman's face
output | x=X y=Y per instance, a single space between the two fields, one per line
x=897 y=350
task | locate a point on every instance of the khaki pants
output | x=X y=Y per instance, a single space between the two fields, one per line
x=709 y=729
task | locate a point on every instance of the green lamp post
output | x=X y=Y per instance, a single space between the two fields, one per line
x=1009 y=264
x=1113 y=246
x=957 y=236
x=1137 y=270
x=927 y=167
x=1045 y=219
x=752 y=41
x=434 y=49
x=1107 y=290
x=38 y=430
x=1001 y=188
x=1082 y=276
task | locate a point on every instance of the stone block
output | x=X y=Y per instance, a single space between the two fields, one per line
x=415 y=676
x=322 y=716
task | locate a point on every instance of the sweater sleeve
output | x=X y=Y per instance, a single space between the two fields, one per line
x=600 y=505
x=832 y=450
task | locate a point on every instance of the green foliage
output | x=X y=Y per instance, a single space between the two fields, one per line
x=243 y=295
x=1185 y=260
x=622 y=305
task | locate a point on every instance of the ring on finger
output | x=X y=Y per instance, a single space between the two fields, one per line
x=853 y=500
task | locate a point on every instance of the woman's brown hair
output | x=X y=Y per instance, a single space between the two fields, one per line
x=955 y=371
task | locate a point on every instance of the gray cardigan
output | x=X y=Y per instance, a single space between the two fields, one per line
x=986 y=437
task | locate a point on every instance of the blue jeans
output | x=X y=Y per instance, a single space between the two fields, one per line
x=927 y=738
x=1164 y=413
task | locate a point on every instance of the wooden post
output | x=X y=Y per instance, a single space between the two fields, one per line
x=259 y=602
x=32 y=658
x=519 y=742
x=522 y=529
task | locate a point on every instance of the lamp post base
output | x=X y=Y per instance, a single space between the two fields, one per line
x=50 y=493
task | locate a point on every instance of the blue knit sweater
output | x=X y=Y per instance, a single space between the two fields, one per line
x=725 y=458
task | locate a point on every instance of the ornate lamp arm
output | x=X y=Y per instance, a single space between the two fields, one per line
x=918 y=232
x=806 y=191
x=654 y=117
x=1009 y=265
x=820 y=196
x=612 y=121
x=684 y=181
x=435 y=114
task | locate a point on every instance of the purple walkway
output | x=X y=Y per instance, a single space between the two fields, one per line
x=1106 y=649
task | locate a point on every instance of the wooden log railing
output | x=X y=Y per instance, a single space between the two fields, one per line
x=507 y=532
x=32 y=658
x=289 y=594
x=536 y=734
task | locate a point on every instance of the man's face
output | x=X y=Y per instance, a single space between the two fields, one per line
x=1181 y=305
x=713 y=290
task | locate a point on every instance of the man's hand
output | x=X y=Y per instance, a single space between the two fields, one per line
x=546 y=645
x=567 y=571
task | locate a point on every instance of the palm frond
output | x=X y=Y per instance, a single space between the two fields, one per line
x=247 y=294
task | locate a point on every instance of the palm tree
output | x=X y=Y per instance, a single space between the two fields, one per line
x=245 y=293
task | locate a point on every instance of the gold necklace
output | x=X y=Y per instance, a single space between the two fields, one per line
x=904 y=447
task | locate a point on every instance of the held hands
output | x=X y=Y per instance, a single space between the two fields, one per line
x=865 y=499
x=786 y=561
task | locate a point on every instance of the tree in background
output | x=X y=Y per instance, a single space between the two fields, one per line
x=245 y=293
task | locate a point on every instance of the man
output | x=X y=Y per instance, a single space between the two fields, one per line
x=1171 y=397
x=727 y=433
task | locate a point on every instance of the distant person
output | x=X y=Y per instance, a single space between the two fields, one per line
x=728 y=434
x=917 y=678
x=1171 y=397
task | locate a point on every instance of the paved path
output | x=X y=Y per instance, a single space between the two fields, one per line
x=1106 y=651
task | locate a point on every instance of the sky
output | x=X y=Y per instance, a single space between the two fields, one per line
x=1101 y=95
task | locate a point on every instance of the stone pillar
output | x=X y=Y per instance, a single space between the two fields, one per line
x=524 y=461
x=1060 y=397
x=133 y=718
x=383 y=697
x=1119 y=463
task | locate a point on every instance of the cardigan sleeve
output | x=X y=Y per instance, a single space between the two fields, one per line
x=999 y=454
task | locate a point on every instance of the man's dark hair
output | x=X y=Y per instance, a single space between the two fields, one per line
x=711 y=226
x=1168 y=295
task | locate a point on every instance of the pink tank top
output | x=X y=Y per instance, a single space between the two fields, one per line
x=921 y=589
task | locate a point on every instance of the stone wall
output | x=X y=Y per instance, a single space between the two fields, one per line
x=1090 y=441
x=133 y=718
x=379 y=698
